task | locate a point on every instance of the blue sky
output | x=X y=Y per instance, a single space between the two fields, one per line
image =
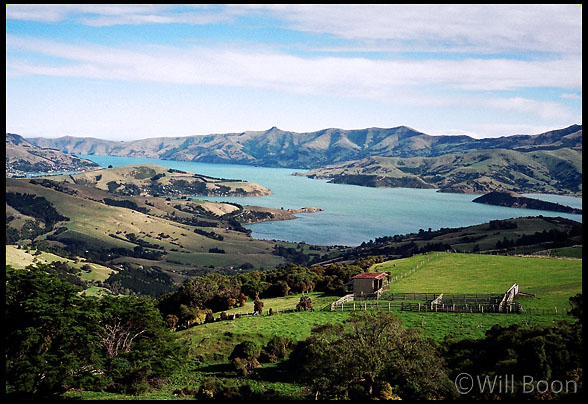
x=138 y=71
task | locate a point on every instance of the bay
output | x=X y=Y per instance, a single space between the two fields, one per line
x=351 y=214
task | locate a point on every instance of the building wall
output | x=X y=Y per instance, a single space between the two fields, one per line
x=365 y=286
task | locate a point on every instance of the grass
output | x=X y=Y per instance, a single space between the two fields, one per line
x=93 y=222
x=554 y=281
x=20 y=258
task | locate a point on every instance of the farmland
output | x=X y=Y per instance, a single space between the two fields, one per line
x=553 y=281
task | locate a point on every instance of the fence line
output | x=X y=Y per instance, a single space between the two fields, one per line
x=413 y=270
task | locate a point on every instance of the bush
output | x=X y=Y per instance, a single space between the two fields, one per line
x=258 y=306
x=304 y=304
x=276 y=348
x=245 y=357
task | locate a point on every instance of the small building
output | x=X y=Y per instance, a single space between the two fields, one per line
x=369 y=283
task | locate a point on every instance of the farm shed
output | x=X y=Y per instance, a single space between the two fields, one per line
x=369 y=283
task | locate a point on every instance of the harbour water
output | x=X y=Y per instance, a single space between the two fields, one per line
x=351 y=214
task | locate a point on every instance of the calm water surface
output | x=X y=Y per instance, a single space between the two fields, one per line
x=352 y=214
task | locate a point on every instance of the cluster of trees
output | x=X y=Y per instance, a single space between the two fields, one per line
x=556 y=238
x=79 y=246
x=35 y=206
x=142 y=280
x=214 y=292
x=552 y=354
x=209 y=234
x=125 y=204
x=56 y=339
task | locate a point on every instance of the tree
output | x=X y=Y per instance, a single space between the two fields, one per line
x=257 y=305
x=551 y=353
x=304 y=304
x=51 y=334
x=365 y=356
x=138 y=345
x=57 y=339
x=576 y=303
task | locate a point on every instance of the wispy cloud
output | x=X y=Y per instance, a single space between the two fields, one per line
x=451 y=28
x=273 y=70
x=409 y=28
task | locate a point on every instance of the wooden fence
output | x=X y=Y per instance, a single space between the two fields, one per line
x=414 y=269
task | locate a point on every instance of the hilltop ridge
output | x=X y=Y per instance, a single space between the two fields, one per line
x=279 y=148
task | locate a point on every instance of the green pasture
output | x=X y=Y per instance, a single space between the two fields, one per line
x=552 y=280
x=20 y=258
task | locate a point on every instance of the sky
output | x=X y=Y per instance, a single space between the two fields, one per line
x=128 y=72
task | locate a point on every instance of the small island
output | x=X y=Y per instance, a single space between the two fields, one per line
x=514 y=200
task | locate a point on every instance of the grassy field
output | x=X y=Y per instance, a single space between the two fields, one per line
x=553 y=280
x=22 y=257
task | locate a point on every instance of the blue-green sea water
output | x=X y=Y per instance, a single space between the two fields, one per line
x=351 y=214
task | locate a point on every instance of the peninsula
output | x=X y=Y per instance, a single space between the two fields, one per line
x=514 y=200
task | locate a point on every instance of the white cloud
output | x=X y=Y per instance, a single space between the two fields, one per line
x=454 y=28
x=571 y=96
x=101 y=15
x=554 y=28
x=547 y=110
x=357 y=77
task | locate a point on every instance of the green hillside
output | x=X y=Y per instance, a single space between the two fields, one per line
x=181 y=237
x=553 y=280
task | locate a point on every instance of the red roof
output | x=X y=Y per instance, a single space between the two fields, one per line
x=371 y=275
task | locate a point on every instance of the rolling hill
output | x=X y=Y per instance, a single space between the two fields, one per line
x=154 y=180
x=180 y=236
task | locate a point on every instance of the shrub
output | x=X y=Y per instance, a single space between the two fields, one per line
x=304 y=304
x=276 y=348
x=245 y=357
x=257 y=306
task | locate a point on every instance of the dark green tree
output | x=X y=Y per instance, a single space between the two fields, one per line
x=576 y=303
x=137 y=343
x=51 y=334
x=552 y=352
x=56 y=339
x=366 y=356
x=245 y=357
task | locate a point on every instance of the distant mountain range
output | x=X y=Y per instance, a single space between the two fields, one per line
x=23 y=157
x=278 y=148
